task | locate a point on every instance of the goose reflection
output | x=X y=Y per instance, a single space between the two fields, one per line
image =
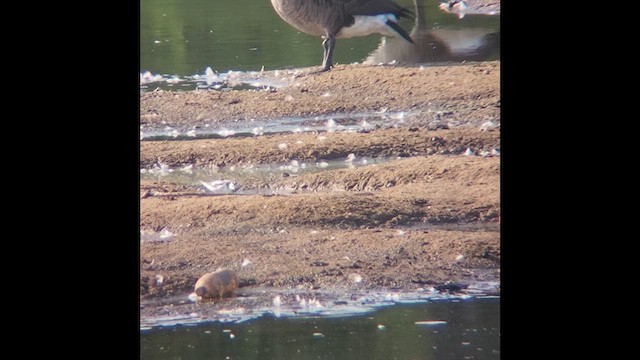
x=437 y=45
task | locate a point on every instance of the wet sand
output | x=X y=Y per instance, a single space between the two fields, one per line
x=394 y=225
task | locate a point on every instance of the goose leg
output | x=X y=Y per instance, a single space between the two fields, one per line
x=327 y=44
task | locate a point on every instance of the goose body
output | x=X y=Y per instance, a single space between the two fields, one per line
x=333 y=19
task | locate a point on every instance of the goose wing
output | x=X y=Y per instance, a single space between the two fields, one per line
x=375 y=7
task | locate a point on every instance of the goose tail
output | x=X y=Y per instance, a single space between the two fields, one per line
x=402 y=32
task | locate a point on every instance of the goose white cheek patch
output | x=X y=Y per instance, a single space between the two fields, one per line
x=365 y=25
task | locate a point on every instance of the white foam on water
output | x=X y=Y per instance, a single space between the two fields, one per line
x=431 y=322
x=289 y=303
x=226 y=132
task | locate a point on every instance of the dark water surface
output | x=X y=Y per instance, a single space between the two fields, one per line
x=445 y=329
x=184 y=41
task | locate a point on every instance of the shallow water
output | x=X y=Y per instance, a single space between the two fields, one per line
x=337 y=122
x=246 y=177
x=447 y=328
x=189 y=44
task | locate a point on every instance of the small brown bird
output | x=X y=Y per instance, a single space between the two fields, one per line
x=217 y=284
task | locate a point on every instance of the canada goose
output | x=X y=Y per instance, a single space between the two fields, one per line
x=333 y=19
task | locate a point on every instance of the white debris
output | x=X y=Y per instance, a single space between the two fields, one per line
x=245 y=262
x=351 y=157
x=469 y=152
x=226 y=132
x=234 y=311
x=394 y=296
x=283 y=146
x=257 y=131
x=277 y=301
x=355 y=278
x=457 y=7
x=165 y=234
x=159 y=279
x=294 y=166
x=218 y=186
x=148 y=77
x=187 y=168
x=322 y=164
x=488 y=126
x=331 y=125
x=459 y=257
x=191 y=133
x=314 y=303
x=163 y=169
x=210 y=77
x=193 y=297
x=397 y=116
x=381 y=327
x=430 y=322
